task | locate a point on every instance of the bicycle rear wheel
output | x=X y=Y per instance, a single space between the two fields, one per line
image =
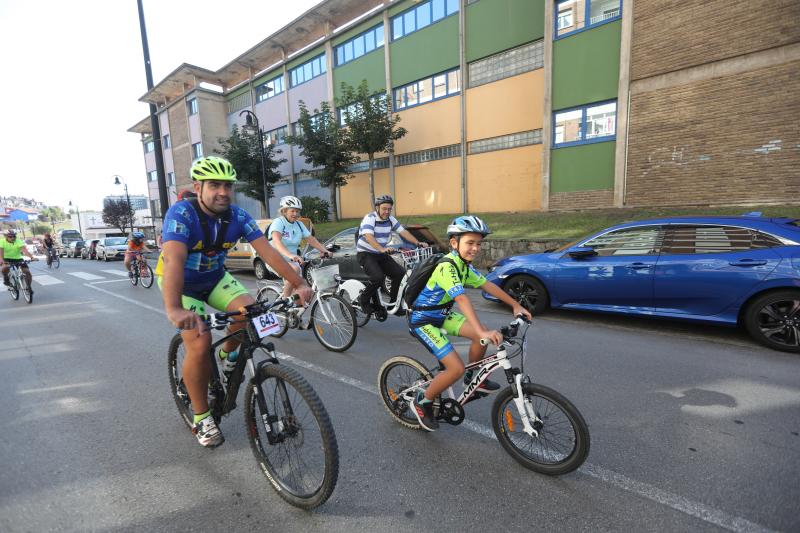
x=293 y=441
x=563 y=441
x=27 y=292
x=396 y=375
x=175 y=358
x=334 y=322
x=146 y=276
x=269 y=294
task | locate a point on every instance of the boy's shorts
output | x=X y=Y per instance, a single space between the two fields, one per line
x=432 y=336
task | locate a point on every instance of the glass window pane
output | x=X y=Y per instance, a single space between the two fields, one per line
x=568 y=126
x=629 y=241
x=423 y=15
x=438 y=10
x=340 y=55
x=440 y=86
x=602 y=10
x=570 y=16
x=453 y=82
x=369 y=42
x=425 y=91
x=379 y=36
x=315 y=68
x=358 y=47
x=307 y=72
x=323 y=65
x=409 y=22
x=397 y=28
x=452 y=6
x=601 y=120
x=399 y=101
x=411 y=95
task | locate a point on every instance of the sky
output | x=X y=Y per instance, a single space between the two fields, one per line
x=72 y=73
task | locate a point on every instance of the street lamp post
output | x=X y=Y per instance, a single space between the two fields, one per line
x=77 y=210
x=127 y=198
x=251 y=124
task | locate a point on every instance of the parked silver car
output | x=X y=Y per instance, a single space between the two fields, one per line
x=111 y=248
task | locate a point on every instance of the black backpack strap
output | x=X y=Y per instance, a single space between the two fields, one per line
x=208 y=248
x=449 y=304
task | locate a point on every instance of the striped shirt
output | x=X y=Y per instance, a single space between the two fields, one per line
x=380 y=229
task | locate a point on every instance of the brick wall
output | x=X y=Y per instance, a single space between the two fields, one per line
x=669 y=35
x=727 y=140
x=561 y=201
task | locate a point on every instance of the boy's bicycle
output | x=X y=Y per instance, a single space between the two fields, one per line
x=141 y=271
x=330 y=316
x=19 y=283
x=536 y=425
x=289 y=430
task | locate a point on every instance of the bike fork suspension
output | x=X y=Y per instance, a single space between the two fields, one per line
x=525 y=408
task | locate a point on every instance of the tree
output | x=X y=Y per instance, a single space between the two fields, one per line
x=119 y=214
x=325 y=145
x=370 y=124
x=242 y=150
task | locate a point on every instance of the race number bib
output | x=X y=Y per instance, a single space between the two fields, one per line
x=266 y=324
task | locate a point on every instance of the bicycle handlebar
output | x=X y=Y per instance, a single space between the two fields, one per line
x=250 y=311
x=509 y=331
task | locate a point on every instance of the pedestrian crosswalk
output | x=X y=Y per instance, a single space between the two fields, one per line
x=47 y=279
x=121 y=273
x=85 y=275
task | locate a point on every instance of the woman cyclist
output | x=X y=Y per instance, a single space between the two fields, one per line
x=285 y=234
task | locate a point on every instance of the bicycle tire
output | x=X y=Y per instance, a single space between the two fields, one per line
x=342 y=322
x=570 y=456
x=134 y=279
x=56 y=263
x=283 y=474
x=146 y=277
x=180 y=395
x=414 y=372
x=361 y=318
x=14 y=288
x=271 y=293
x=27 y=293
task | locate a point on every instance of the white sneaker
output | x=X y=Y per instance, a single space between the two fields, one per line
x=207 y=433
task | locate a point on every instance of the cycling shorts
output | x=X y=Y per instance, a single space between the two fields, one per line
x=432 y=336
x=218 y=296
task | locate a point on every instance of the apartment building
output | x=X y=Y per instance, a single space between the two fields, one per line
x=520 y=105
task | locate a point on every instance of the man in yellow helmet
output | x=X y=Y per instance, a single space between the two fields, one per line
x=197 y=234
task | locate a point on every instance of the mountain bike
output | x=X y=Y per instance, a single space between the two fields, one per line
x=289 y=430
x=351 y=289
x=330 y=316
x=19 y=283
x=141 y=271
x=53 y=261
x=537 y=426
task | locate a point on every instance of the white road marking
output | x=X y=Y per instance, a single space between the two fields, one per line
x=644 y=490
x=85 y=275
x=116 y=272
x=108 y=281
x=44 y=279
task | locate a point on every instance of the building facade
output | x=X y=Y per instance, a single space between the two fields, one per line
x=520 y=105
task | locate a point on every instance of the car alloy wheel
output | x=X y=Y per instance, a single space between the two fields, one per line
x=261 y=269
x=774 y=320
x=528 y=291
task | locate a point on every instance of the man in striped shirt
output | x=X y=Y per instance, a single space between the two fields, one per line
x=373 y=238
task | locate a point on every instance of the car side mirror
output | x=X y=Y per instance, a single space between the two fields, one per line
x=333 y=247
x=581 y=252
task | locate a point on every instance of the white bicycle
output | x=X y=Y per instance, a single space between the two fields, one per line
x=330 y=316
x=19 y=283
x=351 y=289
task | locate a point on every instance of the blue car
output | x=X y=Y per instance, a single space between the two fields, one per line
x=729 y=270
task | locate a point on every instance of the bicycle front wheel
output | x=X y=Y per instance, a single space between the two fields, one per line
x=56 y=262
x=14 y=288
x=291 y=436
x=562 y=443
x=361 y=317
x=133 y=275
x=269 y=294
x=395 y=376
x=146 y=276
x=27 y=292
x=334 y=322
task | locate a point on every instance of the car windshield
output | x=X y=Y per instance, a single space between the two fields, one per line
x=115 y=241
x=568 y=245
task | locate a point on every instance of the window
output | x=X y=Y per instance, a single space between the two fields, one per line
x=149 y=146
x=155 y=208
x=166 y=141
x=307 y=71
x=642 y=240
x=588 y=124
x=197 y=150
x=432 y=154
x=171 y=179
x=191 y=105
x=276 y=136
x=572 y=15
x=422 y=16
x=428 y=89
x=269 y=89
x=237 y=103
x=359 y=45
x=152 y=175
x=504 y=142
x=363 y=166
x=702 y=239
x=506 y=64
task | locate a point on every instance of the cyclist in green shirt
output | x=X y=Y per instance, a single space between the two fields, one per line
x=11 y=250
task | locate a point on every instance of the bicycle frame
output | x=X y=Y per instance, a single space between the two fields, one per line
x=300 y=311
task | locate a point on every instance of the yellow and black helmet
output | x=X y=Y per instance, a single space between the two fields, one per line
x=212 y=168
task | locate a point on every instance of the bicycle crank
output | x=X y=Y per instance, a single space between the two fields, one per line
x=451 y=412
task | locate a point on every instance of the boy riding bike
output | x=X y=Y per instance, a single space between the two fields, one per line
x=431 y=318
x=197 y=234
x=136 y=247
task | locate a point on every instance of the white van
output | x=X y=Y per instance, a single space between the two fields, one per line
x=243 y=256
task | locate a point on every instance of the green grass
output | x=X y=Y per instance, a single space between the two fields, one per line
x=561 y=225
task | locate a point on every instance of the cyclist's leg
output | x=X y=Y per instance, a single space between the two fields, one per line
x=49 y=256
x=287 y=289
x=370 y=263
x=27 y=272
x=6 y=269
x=128 y=260
x=439 y=345
x=456 y=324
x=395 y=273
x=228 y=295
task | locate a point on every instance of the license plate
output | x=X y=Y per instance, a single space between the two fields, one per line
x=266 y=324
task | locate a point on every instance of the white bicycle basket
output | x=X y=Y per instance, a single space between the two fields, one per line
x=412 y=258
x=325 y=277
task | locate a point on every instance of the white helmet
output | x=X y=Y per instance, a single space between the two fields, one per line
x=291 y=201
